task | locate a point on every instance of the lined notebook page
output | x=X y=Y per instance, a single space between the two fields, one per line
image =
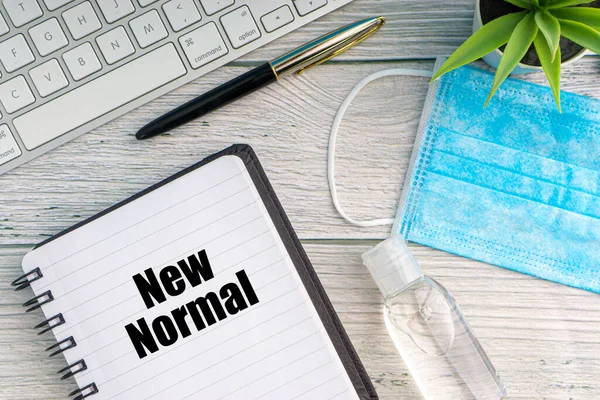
x=276 y=348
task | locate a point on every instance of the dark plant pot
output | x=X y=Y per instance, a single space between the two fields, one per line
x=488 y=10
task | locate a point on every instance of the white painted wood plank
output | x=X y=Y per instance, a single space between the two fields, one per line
x=414 y=29
x=287 y=124
x=542 y=337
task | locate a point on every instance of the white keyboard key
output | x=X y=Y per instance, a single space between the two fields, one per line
x=99 y=96
x=148 y=28
x=277 y=18
x=81 y=20
x=181 y=13
x=48 y=36
x=114 y=10
x=307 y=6
x=9 y=150
x=214 y=6
x=240 y=27
x=48 y=78
x=22 y=11
x=115 y=45
x=15 y=53
x=54 y=4
x=203 y=45
x=145 y=3
x=82 y=61
x=3 y=27
x=15 y=94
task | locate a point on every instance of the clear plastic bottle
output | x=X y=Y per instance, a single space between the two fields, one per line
x=429 y=330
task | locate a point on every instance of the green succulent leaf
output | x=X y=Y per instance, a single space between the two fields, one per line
x=550 y=64
x=586 y=15
x=581 y=34
x=516 y=48
x=550 y=28
x=565 y=3
x=536 y=3
x=489 y=37
x=526 y=4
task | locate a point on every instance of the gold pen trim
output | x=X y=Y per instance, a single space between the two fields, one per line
x=325 y=48
x=353 y=43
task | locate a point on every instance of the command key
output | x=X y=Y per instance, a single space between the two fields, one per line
x=9 y=150
x=203 y=45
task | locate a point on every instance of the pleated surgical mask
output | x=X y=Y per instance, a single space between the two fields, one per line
x=516 y=184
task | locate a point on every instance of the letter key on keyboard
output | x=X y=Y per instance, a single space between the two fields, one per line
x=240 y=27
x=15 y=53
x=48 y=37
x=148 y=28
x=15 y=94
x=81 y=20
x=114 y=10
x=48 y=78
x=115 y=45
x=22 y=11
x=82 y=61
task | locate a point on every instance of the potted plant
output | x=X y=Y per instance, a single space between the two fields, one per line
x=525 y=35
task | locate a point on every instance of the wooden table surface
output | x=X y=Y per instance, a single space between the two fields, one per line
x=543 y=338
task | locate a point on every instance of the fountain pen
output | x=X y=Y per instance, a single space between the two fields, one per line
x=296 y=61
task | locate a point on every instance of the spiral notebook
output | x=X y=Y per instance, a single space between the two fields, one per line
x=196 y=288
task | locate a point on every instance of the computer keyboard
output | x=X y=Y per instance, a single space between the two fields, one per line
x=68 y=66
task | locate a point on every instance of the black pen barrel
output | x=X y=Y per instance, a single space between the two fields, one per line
x=216 y=98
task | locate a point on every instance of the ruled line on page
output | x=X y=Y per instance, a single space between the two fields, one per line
x=268 y=373
x=144 y=220
x=258 y=325
x=339 y=394
x=318 y=386
x=154 y=233
x=256 y=362
x=288 y=382
x=255 y=308
x=210 y=366
x=179 y=256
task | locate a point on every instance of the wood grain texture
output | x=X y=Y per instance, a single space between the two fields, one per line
x=543 y=338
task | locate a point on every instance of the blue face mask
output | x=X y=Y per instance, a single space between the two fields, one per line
x=516 y=184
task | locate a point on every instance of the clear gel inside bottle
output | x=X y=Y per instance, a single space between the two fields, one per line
x=429 y=330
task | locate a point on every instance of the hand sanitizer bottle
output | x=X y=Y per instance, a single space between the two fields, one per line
x=429 y=330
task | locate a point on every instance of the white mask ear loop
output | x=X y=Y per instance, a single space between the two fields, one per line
x=333 y=135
